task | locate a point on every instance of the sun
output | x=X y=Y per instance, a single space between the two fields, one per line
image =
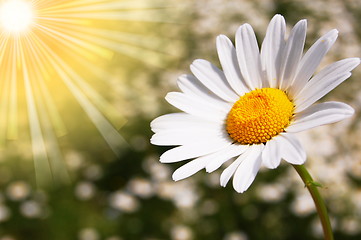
x=16 y=15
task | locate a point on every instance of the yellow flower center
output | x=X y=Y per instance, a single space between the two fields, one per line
x=259 y=115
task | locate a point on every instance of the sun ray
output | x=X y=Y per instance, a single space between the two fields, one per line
x=56 y=166
x=37 y=62
x=53 y=52
x=13 y=119
x=47 y=114
x=4 y=128
x=41 y=161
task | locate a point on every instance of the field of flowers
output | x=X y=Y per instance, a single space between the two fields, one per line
x=130 y=195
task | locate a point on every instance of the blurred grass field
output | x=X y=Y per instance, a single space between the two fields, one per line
x=132 y=197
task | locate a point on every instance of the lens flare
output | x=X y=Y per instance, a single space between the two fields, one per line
x=52 y=58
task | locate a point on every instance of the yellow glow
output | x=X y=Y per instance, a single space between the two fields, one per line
x=259 y=115
x=16 y=15
x=54 y=75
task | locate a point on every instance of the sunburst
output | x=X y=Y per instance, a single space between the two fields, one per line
x=49 y=47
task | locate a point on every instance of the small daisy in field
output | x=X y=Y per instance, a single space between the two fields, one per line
x=249 y=112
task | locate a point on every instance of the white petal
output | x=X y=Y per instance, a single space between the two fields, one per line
x=190 y=168
x=196 y=107
x=201 y=162
x=248 y=56
x=292 y=54
x=228 y=58
x=320 y=114
x=174 y=121
x=194 y=128
x=194 y=150
x=186 y=136
x=311 y=60
x=213 y=79
x=291 y=149
x=190 y=85
x=224 y=155
x=229 y=171
x=272 y=47
x=271 y=156
x=326 y=80
x=248 y=169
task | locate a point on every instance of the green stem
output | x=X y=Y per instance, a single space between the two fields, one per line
x=320 y=204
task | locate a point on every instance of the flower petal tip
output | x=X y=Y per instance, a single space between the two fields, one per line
x=222 y=42
x=152 y=126
x=357 y=60
x=271 y=167
x=303 y=22
x=331 y=36
x=221 y=37
x=278 y=16
x=196 y=62
x=176 y=177
x=163 y=159
x=209 y=170
x=354 y=62
x=222 y=181
x=168 y=96
x=334 y=31
x=239 y=188
x=243 y=28
x=278 y=19
x=350 y=111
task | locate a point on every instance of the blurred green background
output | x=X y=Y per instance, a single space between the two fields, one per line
x=132 y=197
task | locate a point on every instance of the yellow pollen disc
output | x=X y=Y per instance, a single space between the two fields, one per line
x=259 y=115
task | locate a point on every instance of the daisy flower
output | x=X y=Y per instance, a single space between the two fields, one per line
x=249 y=112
